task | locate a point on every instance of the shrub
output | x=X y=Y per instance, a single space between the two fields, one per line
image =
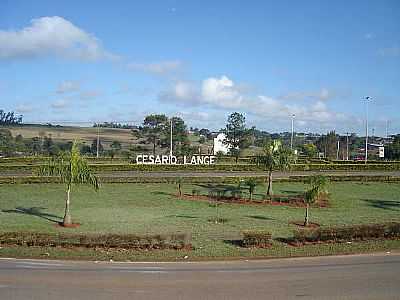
x=347 y=233
x=259 y=239
x=128 y=241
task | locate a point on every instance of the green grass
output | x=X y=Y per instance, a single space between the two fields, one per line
x=154 y=208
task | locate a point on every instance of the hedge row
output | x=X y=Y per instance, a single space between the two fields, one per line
x=128 y=241
x=347 y=233
x=259 y=239
x=37 y=160
x=170 y=179
x=195 y=179
x=353 y=178
x=205 y=168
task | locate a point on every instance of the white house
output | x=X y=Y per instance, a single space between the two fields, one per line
x=219 y=146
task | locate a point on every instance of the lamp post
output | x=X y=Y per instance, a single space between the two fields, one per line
x=98 y=140
x=291 y=138
x=367 y=99
x=170 y=149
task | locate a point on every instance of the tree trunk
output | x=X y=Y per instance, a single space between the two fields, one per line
x=179 y=190
x=67 y=216
x=306 y=216
x=251 y=195
x=269 y=190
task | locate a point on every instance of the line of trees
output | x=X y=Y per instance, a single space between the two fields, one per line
x=9 y=118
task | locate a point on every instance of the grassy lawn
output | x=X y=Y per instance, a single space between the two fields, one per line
x=153 y=208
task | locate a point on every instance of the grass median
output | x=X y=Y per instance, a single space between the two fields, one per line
x=148 y=209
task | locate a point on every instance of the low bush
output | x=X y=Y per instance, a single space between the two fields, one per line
x=128 y=241
x=259 y=239
x=347 y=233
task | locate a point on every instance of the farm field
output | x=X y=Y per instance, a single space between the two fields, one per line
x=69 y=133
x=155 y=209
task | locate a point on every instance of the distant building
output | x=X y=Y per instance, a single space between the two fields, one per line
x=219 y=145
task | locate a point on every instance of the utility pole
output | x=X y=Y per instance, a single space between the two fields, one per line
x=347 y=146
x=170 y=150
x=98 y=141
x=367 y=99
x=291 y=138
x=337 y=149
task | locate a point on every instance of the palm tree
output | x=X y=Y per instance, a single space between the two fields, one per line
x=318 y=185
x=275 y=157
x=251 y=183
x=72 y=169
x=310 y=197
x=179 y=182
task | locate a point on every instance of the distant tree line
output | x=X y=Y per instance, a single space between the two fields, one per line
x=114 y=125
x=9 y=118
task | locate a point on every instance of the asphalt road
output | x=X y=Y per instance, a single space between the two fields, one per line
x=344 y=277
x=220 y=173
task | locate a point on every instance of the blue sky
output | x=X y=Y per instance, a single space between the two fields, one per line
x=118 y=61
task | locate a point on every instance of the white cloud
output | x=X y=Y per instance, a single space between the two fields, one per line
x=157 y=68
x=59 y=104
x=51 y=36
x=182 y=92
x=68 y=87
x=222 y=93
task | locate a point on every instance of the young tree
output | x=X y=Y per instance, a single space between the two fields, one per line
x=318 y=186
x=275 y=157
x=251 y=184
x=115 y=148
x=310 y=197
x=72 y=169
x=179 y=182
x=153 y=127
x=236 y=134
x=310 y=150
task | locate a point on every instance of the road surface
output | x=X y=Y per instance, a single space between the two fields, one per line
x=343 y=277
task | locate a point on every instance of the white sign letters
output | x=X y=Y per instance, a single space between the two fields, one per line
x=144 y=159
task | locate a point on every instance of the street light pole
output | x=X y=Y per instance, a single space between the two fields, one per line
x=366 y=129
x=170 y=149
x=98 y=141
x=291 y=138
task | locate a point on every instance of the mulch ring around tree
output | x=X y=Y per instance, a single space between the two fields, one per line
x=276 y=200
x=72 y=225
x=310 y=225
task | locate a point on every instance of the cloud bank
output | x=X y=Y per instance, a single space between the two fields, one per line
x=51 y=36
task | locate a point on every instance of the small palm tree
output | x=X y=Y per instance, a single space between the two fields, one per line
x=179 y=182
x=275 y=157
x=72 y=169
x=318 y=185
x=251 y=184
x=310 y=197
